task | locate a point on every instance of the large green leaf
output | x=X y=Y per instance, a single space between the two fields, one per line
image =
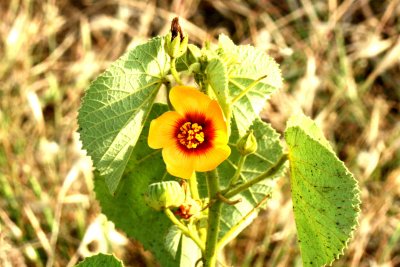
x=116 y=105
x=245 y=65
x=100 y=260
x=325 y=194
x=127 y=207
x=268 y=152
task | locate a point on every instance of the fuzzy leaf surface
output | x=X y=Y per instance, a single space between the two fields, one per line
x=325 y=194
x=116 y=105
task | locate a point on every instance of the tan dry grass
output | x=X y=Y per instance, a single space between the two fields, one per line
x=340 y=60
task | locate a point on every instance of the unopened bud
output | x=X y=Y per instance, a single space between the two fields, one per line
x=176 y=42
x=247 y=144
x=164 y=195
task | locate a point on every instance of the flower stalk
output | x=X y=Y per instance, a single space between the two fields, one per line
x=174 y=72
x=194 y=192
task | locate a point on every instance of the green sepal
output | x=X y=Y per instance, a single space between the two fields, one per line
x=174 y=46
x=247 y=144
x=164 y=195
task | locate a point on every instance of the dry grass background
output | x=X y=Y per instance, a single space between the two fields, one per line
x=340 y=60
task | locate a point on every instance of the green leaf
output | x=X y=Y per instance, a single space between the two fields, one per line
x=218 y=80
x=116 y=105
x=269 y=150
x=245 y=65
x=127 y=207
x=325 y=194
x=100 y=260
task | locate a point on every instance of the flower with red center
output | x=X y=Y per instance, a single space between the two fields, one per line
x=194 y=136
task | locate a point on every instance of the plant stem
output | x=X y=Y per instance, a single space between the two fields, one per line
x=174 y=73
x=194 y=192
x=270 y=172
x=214 y=216
x=185 y=230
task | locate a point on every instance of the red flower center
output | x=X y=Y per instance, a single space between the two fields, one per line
x=191 y=135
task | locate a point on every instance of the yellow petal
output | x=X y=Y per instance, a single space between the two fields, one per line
x=220 y=138
x=214 y=113
x=186 y=99
x=162 y=130
x=212 y=158
x=178 y=163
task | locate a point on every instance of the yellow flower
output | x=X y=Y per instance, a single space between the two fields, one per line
x=194 y=136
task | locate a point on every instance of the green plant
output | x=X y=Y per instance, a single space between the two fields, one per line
x=213 y=142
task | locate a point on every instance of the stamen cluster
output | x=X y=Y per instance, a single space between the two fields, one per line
x=191 y=135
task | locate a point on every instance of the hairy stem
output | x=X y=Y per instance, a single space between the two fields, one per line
x=214 y=216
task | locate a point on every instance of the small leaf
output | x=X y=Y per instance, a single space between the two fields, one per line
x=325 y=194
x=100 y=260
x=246 y=64
x=116 y=105
x=218 y=80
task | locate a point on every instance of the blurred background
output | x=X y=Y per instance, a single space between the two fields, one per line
x=341 y=64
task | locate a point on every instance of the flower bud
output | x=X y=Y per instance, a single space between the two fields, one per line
x=174 y=47
x=164 y=195
x=247 y=144
x=176 y=42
